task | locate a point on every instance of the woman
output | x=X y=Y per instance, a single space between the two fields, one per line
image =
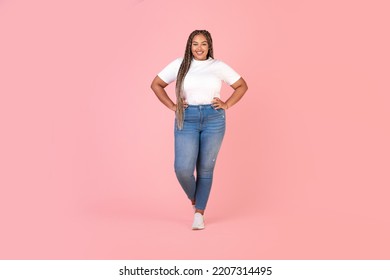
x=200 y=115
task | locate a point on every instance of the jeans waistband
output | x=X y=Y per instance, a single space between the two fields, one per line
x=201 y=106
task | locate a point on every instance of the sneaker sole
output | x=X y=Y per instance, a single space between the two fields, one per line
x=198 y=228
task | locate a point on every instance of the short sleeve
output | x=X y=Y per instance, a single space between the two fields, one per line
x=227 y=74
x=169 y=73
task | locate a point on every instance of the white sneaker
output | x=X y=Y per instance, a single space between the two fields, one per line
x=198 y=221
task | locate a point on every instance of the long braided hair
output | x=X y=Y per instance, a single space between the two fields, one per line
x=184 y=67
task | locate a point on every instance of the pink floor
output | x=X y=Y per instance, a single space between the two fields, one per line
x=264 y=227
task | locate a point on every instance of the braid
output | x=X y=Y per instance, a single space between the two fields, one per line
x=183 y=70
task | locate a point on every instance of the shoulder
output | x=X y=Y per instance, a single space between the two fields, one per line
x=220 y=63
x=169 y=72
x=178 y=60
x=225 y=72
x=174 y=65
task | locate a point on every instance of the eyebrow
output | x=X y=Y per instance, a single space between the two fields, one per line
x=197 y=42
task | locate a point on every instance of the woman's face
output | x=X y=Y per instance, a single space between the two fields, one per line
x=199 y=47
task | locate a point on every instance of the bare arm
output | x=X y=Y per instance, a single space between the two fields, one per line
x=158 y=87
x=240 y=87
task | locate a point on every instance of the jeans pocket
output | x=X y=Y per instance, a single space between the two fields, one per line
x=221 y=112
x=217 y=114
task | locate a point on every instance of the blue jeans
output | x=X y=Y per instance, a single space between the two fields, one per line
x=196 y=147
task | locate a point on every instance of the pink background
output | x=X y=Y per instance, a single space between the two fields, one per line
x=86 y=149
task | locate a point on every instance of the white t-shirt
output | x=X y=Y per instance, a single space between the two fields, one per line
x=203 y=81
